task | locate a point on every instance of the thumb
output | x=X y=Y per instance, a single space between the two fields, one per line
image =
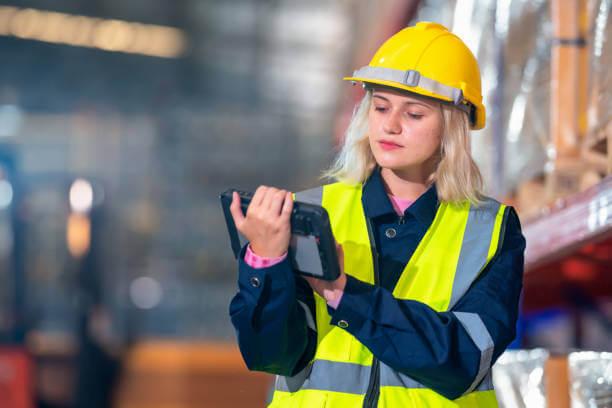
x=236 y=211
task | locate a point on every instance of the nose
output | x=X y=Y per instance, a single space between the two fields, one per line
x=392 y=124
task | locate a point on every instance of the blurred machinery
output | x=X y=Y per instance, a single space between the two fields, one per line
x=16 y=365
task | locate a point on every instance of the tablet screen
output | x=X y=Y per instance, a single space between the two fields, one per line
x=306 y=254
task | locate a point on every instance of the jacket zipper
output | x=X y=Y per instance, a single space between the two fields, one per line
x=371 y=397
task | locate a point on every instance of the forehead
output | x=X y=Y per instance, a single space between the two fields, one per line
x=398 y=97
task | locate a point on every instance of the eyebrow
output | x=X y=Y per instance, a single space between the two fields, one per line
x=405 y=103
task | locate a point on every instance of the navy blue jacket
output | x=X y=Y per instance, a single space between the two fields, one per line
x=431 y=347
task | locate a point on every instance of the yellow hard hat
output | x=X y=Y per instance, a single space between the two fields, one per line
x=427 y=59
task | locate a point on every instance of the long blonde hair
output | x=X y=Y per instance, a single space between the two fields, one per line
x=457 y=176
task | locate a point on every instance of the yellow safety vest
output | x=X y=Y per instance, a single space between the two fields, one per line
x=458 y=245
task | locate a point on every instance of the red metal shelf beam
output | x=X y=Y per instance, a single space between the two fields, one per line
x=576 y=221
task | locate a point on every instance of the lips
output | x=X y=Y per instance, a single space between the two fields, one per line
x=388 y=145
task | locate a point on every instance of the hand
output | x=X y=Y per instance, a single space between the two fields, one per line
x=330 y=290
x=267 y=224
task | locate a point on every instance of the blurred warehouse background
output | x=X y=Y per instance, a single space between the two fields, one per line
x=122 y=121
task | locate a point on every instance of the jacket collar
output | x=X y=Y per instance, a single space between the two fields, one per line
x=376 y=202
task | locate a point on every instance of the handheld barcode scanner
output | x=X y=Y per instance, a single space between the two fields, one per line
x=312 y=250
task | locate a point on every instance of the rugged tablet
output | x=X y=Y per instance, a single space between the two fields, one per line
x=312 y=250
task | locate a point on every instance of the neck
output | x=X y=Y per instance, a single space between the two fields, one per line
x=405 y=184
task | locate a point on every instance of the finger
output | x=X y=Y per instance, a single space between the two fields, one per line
x=258 y=196
x=277 y=202
x=269 y=198
x=287 y=206
x=236 y=211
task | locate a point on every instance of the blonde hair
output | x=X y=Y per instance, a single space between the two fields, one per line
x=457 y=176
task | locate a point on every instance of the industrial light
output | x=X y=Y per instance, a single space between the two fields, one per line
x=83 y=31
x=81 y=196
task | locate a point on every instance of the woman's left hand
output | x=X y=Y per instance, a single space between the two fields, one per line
x=330 y=290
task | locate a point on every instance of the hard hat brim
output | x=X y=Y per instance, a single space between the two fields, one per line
x=476 y=121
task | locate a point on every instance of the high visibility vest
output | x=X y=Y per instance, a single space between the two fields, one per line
x=458 y=245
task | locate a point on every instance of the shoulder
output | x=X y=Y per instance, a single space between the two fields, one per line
x=508 y=212
x=487 y=204
x=511 y=232
x=489 y=207
x=504 y=216
x=314 y=195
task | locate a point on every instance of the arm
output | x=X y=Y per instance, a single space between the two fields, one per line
x=270 y=310
x=442 y=350
x=270 y=322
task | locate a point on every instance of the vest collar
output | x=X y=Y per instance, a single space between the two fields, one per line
x=376 y=202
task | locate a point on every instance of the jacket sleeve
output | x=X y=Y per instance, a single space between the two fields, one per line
x=270 y=314
x=450 y=351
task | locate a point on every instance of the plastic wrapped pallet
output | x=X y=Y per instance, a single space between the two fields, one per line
x=518 y=377
x=591 y=379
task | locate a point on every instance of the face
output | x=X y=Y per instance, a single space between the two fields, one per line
x=404 y=131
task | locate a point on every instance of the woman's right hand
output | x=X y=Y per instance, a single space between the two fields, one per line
x=267 y=224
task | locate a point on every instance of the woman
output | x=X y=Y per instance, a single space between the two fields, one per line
x=431 y=268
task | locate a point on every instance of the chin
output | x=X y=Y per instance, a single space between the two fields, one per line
x=392 y=163
x=398 y=161
x=398 y=166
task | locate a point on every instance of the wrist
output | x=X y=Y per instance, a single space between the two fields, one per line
x=265 y=252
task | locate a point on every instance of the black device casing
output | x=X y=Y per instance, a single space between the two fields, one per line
x=312 y=250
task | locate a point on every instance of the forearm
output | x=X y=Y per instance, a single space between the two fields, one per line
x=271 y=325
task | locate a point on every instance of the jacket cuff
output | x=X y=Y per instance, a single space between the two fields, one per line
x=254 y=281
x=353 y=311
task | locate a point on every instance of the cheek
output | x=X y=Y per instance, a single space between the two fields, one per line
x=373 y=128
x=373 y=124
x=423 y=135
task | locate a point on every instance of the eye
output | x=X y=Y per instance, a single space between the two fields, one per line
x=415 y=116
x=380 y=108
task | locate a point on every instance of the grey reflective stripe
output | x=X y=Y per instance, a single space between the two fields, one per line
x=294 y=383
x=474 y=248
x=487 y=383
x=479 y=334
x=327 y=375
x=410 y=78
x=311 y=196
x=391 y=378
x=309 y=319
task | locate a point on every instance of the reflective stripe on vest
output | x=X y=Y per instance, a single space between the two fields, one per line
x=458 y=245
x=351 y=378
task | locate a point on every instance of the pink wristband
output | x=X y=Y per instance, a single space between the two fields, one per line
x=258 y=262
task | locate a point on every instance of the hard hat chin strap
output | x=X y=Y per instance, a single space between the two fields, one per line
x=411 y=78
